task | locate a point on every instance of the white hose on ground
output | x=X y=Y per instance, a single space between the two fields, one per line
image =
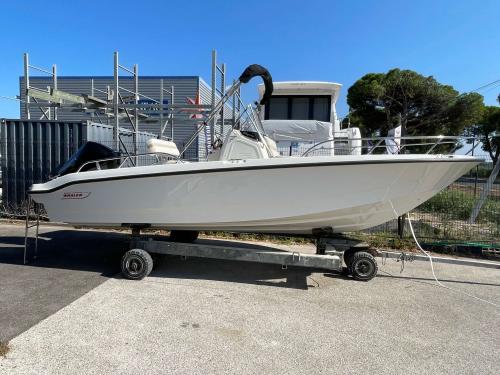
x=434 y=274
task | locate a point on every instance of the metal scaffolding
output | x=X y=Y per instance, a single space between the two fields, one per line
x=219 y=117
x=123 y=105
x=119 y=99
x=170 y=119
x=38 y=93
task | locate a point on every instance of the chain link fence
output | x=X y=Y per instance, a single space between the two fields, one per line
x=446 y=216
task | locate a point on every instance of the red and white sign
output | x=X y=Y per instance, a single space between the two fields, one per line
x=197 y=112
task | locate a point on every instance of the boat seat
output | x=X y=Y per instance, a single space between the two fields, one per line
x=273 y=148
x=160 y=146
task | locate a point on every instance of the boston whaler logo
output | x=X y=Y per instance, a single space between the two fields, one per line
x=75 y=195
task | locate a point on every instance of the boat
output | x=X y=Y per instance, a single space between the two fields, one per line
x=247 y=186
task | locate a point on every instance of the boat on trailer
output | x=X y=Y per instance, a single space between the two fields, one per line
x=247 y=186
x=271 y=195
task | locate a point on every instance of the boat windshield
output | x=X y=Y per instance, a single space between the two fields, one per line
x=87 y=152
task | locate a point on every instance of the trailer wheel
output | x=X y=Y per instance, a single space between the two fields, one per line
x=363 y=266
x=186 y=236
x=348 y=255
x=136 y=264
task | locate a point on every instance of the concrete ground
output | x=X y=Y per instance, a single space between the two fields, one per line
x=71 y=263
x=208 y=316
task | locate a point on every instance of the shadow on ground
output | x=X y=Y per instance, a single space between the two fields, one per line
x=91 y=251
x=235 y=272
x=70 y=263
x=100 y=252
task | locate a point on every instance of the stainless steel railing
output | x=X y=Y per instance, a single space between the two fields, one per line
x=343 y=146
x=129 y=158
x=368 y=146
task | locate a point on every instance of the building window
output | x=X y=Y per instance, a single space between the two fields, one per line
x=294 y=107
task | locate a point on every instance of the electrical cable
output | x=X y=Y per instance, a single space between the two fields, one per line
x=434 y=274
x=495 y=83
x=484 y=86
x=492 y=87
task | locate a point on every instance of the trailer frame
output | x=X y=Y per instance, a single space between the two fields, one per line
x=333 y=254
x=336 y=253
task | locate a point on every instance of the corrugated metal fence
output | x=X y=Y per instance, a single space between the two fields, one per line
x=32 y=150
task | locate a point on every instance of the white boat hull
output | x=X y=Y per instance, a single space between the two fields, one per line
x=282 y=195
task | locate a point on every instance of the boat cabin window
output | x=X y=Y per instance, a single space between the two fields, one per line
x=300 y=108
x=296 y=107
x=321 y=110
x=277 y=108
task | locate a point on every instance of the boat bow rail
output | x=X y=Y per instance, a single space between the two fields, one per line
x=439 y=144
x=411 y=145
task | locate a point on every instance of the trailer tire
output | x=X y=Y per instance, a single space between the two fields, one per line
x=185 y=236
x=363 y=266
x=136 y=264
x=348 y=255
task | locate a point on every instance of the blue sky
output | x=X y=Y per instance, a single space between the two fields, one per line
x=455 y=41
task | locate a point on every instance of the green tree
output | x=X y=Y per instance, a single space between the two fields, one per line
x=487 y=130
x=424 y=106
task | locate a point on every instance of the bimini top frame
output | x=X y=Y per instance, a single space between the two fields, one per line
x=250 y=72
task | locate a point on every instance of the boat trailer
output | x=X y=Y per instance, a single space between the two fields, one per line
x=339 y=254
x=333 y=253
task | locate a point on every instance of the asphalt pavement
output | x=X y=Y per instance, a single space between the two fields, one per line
x=200 y=316
x=70 y=263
